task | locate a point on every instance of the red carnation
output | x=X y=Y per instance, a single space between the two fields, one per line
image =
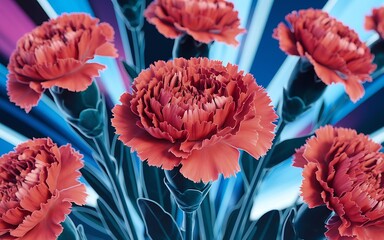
x=195 y=113
x=56 y=54
x=334 y=50
x=376 y=21
x=39 y=183
x=204 y=20
x=345 y=171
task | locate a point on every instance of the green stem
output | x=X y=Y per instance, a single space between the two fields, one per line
x=205 y=219
x=189 y=222
x=120 y=196
x=260 y=172
x=137 y=49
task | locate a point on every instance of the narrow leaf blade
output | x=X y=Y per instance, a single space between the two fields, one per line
x=286 y=149
x=99 y=186
x=155 y=189
x=111 y=221
x=267 y=226
x=69 y=230
x=159 y=223
x=288 y=231
x=89 y=216
x=130 y=70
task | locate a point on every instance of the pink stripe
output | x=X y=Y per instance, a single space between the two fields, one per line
x=14 y=24
x=104 y=10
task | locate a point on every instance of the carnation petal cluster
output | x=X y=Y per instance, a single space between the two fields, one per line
x=39 y=183
x=376 y=21
x=345 y=171
x=204 y=20
x=335 y=51
x=196 y=113
x=56 y=54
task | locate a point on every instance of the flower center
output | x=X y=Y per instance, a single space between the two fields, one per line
x=19 y=173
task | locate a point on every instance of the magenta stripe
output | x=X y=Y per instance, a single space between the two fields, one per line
x=104 y=10
x=14 y=24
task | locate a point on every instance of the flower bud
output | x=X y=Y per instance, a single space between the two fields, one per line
x=187 y=47
x=132 y=11
x=83 y=110
x=304 y=88
x=335 y=51
x=188 y=194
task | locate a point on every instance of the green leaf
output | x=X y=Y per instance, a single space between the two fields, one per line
x=231 y=220
x=159 y=223
x=89 y=216
x=288 y=231
x=309 y=223
x=321 y=112
x=127 y=172
x=92 y=176
x=111 y=221
x=248 y=167
x=130 y=70
x=206 y=218
x=266 y=227
x=80 y=231
x=69 y=231
x=286 y=149
x=155 y=189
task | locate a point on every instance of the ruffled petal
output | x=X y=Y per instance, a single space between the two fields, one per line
x=310 y=188
x=107 y=49
x=36 y=195
x=298 y=159
x=22 y=94
x=369 y=23
x=208 y=162
x=71 y=69
x=70 y=163
x=155 y=152
x=328 y=76
x=374 y=232
x=333 y=225
x=354 y=89
x=205 y=21
x=44 y=223
x=286 y=39
x=64 y=176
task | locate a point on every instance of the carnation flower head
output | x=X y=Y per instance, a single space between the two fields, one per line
x=376 y=21
x=196 y=113
x=204 y=20
x=39 y=183
x=56 y=54
x=335 y=51
x=345 y=171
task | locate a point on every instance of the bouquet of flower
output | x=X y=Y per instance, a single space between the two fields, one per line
x=158 y=161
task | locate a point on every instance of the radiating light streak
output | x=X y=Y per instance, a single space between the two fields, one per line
x=11 y=136
x=48 y=9
x=255 y=33
x=124 y=35
x=287 y=186
x=228 y=53
x=223 y=210
x=378 y=136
